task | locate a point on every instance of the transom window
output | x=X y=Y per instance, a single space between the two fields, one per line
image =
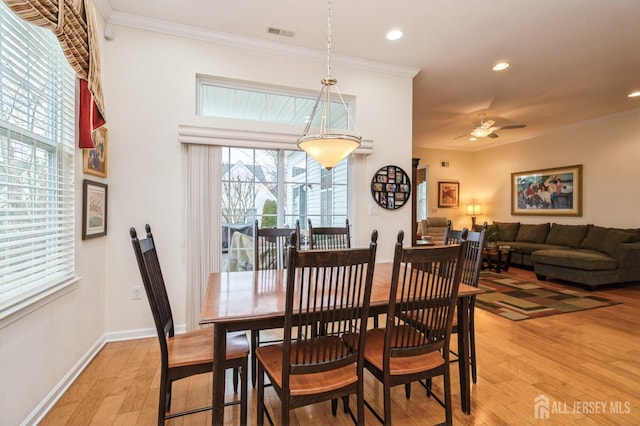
x=232 y=99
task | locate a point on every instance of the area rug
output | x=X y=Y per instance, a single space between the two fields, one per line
x=519 y=300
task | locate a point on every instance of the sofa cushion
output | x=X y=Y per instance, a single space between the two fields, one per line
x=612 y=240
x=594 y=238
x=533 y=233
x=567 y=235
x=528 y=248
x=587 y=260
x=507 y=231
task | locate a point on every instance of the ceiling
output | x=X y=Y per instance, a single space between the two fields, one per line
x=571 y=60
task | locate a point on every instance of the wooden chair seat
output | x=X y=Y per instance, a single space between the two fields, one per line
x=306 y=384
x=374 y=354
x=196 y=347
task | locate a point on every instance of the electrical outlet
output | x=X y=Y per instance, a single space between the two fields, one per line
x=136 y=292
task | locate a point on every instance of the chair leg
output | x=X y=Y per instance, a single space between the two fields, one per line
x=407 y=390
x=260 y=413
x=447 y=397
x=235 y=379
x=243 y=392
x=345 y=404
x=472 y=348
x=334 y=407
x=429 y=383
x=360 y=402
x=255 y=341
x=387 y=404
x=162 y=403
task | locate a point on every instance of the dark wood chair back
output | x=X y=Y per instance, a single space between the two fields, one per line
x=329 y=237
x=330 y=287
x=154 y=286
x=270 y=247
x=473 y=252
x=424 y=288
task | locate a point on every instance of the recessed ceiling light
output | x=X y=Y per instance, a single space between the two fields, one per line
x=634 y=94
x=501 y=66
x=394 y=35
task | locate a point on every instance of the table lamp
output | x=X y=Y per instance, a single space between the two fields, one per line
x=474 y=210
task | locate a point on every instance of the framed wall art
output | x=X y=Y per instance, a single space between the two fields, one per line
x=94 y=209
x=390 y=187
x=547 y=192
x=448 y=194
x=94 y=161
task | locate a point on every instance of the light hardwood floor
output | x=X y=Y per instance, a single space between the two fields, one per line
x=579 y=361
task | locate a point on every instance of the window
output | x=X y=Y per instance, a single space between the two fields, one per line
x=276 y=188
x=37 y=119
x=236 y=99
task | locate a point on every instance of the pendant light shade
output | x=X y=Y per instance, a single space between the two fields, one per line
x=328 y=147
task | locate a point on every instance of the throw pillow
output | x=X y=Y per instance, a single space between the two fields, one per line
x=594 y=238
x=567 y=235
x=533 y=233
x=613 y=239
x=507 y=231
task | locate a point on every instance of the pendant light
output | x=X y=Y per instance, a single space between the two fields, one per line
x=328 y=147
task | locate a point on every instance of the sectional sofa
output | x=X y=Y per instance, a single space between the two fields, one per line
x=589 y=255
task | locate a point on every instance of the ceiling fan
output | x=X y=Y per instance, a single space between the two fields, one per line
x=486 y=129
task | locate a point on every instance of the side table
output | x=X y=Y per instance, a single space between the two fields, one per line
x=496 y=259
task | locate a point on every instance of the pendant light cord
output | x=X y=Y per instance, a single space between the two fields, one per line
x=329 y=40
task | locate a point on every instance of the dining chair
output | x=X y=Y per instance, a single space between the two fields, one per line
x=332 y=287
x=414 y=345
x=329 y=237
x=187 y=354
x=270 y=250
x=470 y=276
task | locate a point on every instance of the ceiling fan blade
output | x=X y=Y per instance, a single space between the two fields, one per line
x=487 y=124
x=492 y=135
x=466 y=135
x=511 y=126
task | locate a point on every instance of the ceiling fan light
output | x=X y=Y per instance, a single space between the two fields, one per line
x=501 y=66
x=634 y=94
x=481 y=132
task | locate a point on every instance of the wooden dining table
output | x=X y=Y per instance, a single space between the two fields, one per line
x=255 y=300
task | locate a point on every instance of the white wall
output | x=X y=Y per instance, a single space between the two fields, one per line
x=40 y=349
x=150 y=89
x=607 y=148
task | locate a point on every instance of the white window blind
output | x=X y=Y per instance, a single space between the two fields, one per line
x=37 y=138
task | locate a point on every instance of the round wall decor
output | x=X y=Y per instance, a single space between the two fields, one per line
x=390 y=187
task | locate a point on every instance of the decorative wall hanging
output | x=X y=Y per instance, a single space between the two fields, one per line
x=390 y=187
x=95 y=159
x=448 y=194
x=94 y=209
x=549 y=192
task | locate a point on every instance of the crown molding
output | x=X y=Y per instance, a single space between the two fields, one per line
x=234 y=40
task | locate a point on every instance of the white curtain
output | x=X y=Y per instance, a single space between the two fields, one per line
x=203 y=224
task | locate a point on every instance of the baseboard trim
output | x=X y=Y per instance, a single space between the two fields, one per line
x=41 y=410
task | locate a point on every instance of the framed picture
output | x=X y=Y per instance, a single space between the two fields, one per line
x=94 y=160
x=94 y=209
x=448 y=194
x=548 y=192
x=390 y=187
